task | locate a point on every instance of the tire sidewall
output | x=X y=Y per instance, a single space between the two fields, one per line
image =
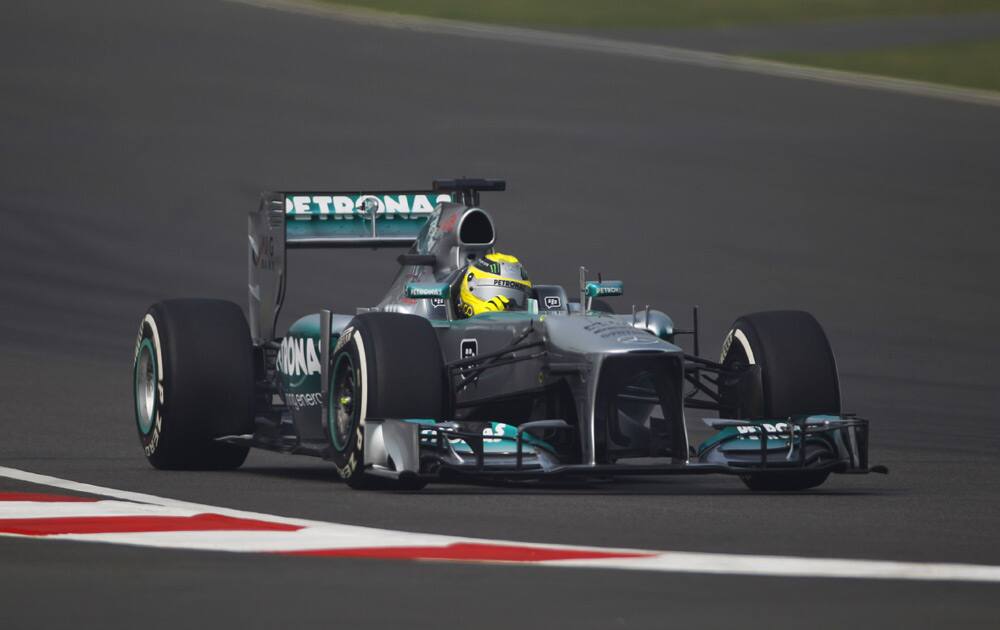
x=348 y=457
x=149 y=338
x=741 y=344
x=738 y=349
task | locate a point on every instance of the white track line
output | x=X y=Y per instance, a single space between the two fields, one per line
x=32 y=509
x=650 y=52
x=323 y=535
x=786 y=566
x=139 y=497
x=329 y=536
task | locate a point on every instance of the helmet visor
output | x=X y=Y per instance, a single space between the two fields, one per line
x=513 y=296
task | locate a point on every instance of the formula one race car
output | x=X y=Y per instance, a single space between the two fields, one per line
x=467 y=370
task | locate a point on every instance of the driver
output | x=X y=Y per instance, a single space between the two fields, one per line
x=495 y=282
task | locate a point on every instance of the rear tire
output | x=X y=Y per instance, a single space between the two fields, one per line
x=798 y=376
x=384 y=366
x=193 y=382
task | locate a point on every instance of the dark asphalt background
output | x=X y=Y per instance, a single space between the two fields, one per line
x=135 y=136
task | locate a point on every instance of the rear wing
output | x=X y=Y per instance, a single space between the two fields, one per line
x=290 y=220
x=357 y=219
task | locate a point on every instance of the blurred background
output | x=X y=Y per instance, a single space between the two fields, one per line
x=948 y=41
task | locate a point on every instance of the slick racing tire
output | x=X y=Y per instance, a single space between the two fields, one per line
x=384 y=366
x=192 y=382
x=798 y=375
x=778 y=482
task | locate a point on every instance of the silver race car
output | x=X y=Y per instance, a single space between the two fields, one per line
x=468 y=370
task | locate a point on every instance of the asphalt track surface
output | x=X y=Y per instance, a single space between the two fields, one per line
x=134 y=137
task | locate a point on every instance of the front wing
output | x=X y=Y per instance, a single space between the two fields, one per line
x=427 y=449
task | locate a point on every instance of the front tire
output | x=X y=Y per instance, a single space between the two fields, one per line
x=193 y=382
x=797 y=367
x=384 y=366
x=798 y=376
x=778 y=482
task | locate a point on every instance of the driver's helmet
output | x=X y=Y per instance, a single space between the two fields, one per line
x=495 y=282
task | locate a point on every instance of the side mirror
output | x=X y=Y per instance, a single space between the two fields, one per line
x=606 y=288
x=590 y=289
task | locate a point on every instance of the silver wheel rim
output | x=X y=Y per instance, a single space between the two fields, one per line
x=145 y=387
x=344 y=392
